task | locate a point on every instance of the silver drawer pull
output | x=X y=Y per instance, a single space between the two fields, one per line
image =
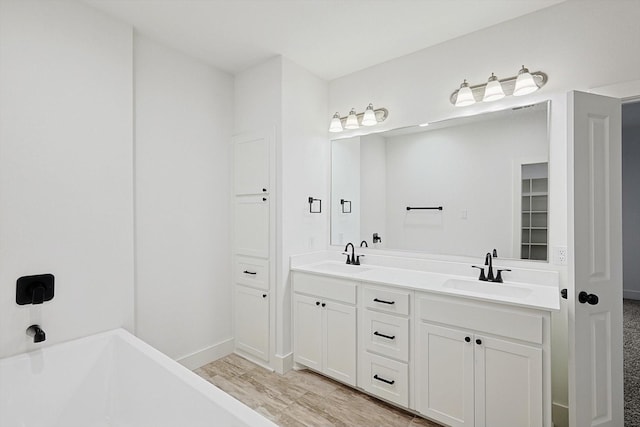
x=389 y=337
x=253 y=273
x=383 y=301
x=376 y=377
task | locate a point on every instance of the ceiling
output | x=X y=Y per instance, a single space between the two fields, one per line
x=330 y=38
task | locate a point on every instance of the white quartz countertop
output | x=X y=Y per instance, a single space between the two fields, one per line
x=542 y=297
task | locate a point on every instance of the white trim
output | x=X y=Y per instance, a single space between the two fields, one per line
x=253 y=359
x=283 y=364
x=206 y=355
x=630 y=294
x=625 y=90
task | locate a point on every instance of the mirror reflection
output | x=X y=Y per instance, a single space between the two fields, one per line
x=463 y=186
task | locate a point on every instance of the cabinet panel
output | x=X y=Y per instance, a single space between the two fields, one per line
x=252 y=272
x=386 y=378
x=387 y=300
x=445 y=375
x=307 y=331
x=251 y=165
x=386 y=334
x=508 y=384
x=325 y=287
x=252 y=321
x=490 y=319
x=340 y=341
x=251 y=225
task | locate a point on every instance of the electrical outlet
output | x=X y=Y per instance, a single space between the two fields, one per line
x=560 y=255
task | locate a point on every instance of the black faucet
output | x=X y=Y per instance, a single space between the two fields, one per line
x=37 y=333
x=350 y=259
x=488 y=260
x=364 y=242
x=490 y=277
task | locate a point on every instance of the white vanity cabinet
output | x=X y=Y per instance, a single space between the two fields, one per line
x=481 y=364
x=324 y=325
x=384 y=334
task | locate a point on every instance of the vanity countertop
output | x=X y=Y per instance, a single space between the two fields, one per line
x=541 y=297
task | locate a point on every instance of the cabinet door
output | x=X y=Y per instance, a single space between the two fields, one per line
x=252 y=321
x=445 y=365
x=339 y=345
x=508 y=384
x=307 y=331
x=251 y=224
x=251 y=164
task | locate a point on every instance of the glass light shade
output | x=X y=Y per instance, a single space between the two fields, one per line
x=465 y=96
x=525 y=84
x=493 y=91
x=352 y=120
x=336 y=124
x=369 y=117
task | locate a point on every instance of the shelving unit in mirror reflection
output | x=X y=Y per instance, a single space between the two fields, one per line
x=535 y=202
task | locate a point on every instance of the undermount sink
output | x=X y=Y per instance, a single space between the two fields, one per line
x=488 y=288
x=333 y=267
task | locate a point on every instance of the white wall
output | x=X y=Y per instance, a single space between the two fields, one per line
x=631 y=198
x=304 y=156
x=66 y=167
x=183 y=270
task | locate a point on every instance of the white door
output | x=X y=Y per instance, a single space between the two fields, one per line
x=445 y=375
x=251 y=225
x=251 y=164
x=340 y=341
x=595 y=261
x=252 y=321
x=307 y=331
x=508 y=383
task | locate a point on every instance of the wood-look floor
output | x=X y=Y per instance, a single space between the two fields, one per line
x=303 y=398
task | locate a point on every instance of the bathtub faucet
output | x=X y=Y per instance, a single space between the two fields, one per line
x=37 y=333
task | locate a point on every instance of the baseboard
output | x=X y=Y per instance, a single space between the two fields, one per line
x=283 y=364
x=207 y=355
x=630 y=294
x=560 y=415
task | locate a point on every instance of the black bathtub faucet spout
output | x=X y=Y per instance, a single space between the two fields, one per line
x=37 y=333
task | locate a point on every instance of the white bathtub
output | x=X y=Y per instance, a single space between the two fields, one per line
x=111 y=379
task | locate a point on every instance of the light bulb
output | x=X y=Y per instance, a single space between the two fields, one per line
x=352 y=120
x=369 y=117
x=493 y=91
x=465 y=95
x=336 y=124
x=525 y=84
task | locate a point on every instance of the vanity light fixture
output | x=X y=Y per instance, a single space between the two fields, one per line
x=522 y=84
x=369 y=117
x=354 y=120
x=525 y=84
x=493 y=91
x=336 y=124
x=464 y=95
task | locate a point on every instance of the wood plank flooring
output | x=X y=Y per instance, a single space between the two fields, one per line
x=303 y=398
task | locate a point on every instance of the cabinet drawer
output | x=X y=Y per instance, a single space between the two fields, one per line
x=325 y=287
x=526 y=326
x=252 y=272
x=386 y=378
x=386 y=299
x=386 y=334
